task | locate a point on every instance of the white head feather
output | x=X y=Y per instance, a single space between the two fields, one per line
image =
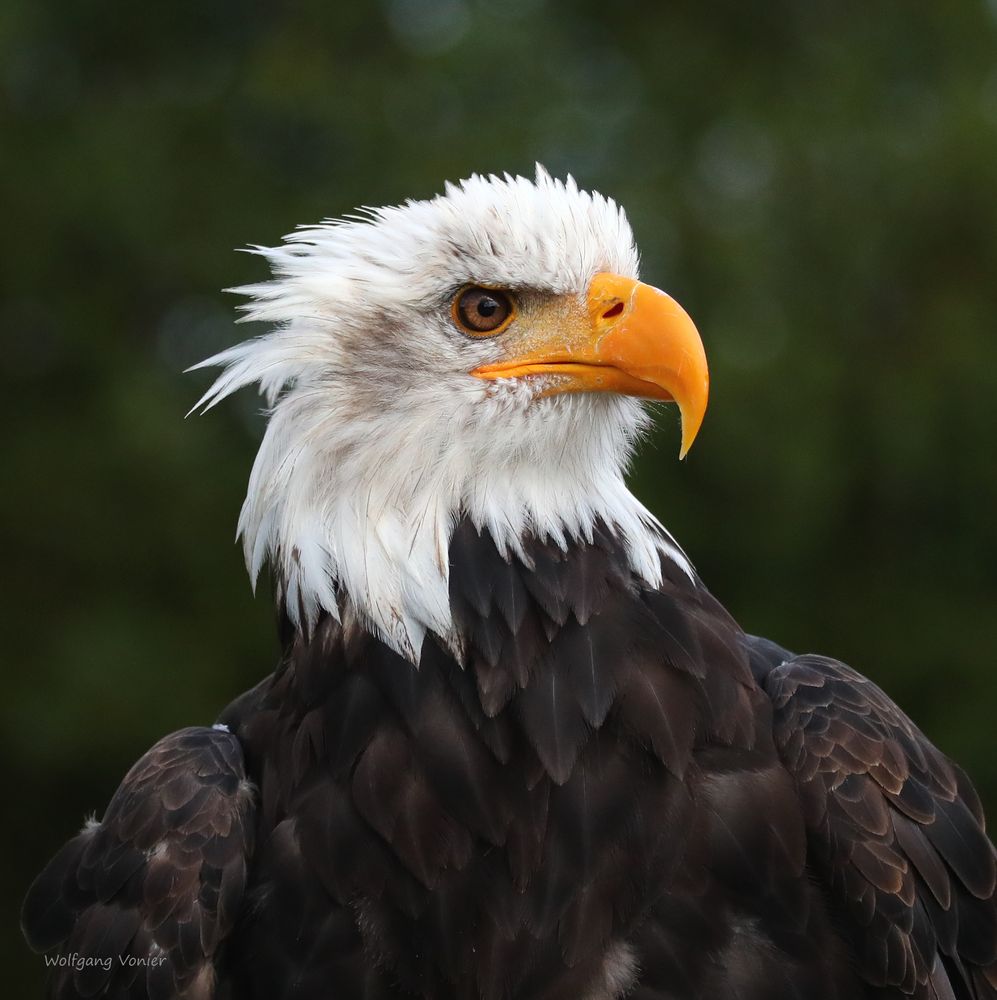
x=379 y=439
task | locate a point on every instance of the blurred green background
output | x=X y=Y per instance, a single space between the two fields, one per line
x=816 y=182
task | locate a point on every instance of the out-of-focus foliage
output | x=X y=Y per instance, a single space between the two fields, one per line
x=815 y=181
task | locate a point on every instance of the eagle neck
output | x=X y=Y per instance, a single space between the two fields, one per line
x=357 y=521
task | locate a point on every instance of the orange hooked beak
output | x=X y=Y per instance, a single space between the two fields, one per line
x=637 y=341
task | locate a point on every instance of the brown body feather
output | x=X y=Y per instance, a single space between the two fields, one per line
x=616 y=793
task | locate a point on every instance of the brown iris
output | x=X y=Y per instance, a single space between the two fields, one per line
x=482 y=312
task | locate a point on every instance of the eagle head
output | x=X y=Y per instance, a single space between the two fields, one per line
x=483 y=354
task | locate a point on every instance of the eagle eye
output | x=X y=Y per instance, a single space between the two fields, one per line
x=482 y=312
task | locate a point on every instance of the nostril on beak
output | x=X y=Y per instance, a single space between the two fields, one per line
x=614 y=310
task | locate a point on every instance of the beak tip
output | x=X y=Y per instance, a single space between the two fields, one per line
x=692 y=422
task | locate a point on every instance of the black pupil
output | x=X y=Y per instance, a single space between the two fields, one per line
x=487 y=306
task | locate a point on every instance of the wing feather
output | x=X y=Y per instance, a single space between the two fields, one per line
x=139 y=903
x=895 y=830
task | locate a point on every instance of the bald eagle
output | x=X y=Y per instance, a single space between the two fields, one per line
x=513 y=748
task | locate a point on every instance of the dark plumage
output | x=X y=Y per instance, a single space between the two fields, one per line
x=140 y=904
x=618 y=792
